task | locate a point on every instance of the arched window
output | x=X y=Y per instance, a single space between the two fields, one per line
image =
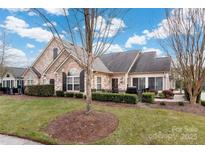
x=55 y=53
x=73 y=80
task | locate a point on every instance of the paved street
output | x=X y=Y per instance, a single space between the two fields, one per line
x=11 y=140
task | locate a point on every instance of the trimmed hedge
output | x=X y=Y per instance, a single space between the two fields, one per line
x=78 y=95
x=148 y=97
x=69 y=94
x=74 y=94
x=39 y=90
x=113 y=97
x=60 y=93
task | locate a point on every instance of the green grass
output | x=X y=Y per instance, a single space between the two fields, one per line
x=28 y=118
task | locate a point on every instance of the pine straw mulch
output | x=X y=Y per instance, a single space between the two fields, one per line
x=78 y=127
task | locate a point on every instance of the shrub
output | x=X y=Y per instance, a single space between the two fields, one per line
x=131 y=99
x=162 y=103
x=168 y=93
x=202 y=103
x=118 y=98
x=69 y=94
x=161 y=95
x=60 y=93
x=181 y=103
x=78 y=95
x=39 y=90
x=148 y=97
x=153 y=91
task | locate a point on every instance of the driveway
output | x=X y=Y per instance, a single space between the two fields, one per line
x=11 y=140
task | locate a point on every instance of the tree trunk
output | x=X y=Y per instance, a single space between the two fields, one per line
x=193 y=99
x=88 y=84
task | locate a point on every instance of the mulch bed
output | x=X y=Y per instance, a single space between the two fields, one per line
x=190 y=108
x=77 y=127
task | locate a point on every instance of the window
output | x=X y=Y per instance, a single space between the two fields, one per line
x=151 y=83
x=155 y=83
x=4 y=84
x=135 y=82
x=55 y=53
x=30 y=80
x=7 y=75
x=139 y=83
x=98 y=83
x=159 y=83
x=73 y=83
x=73 y=80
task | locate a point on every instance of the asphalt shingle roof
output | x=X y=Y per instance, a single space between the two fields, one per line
x=149 y=62
x=17 y=72
x=119 y=62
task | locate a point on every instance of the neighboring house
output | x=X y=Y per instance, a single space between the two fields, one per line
x=12 y=77
x=62 y=67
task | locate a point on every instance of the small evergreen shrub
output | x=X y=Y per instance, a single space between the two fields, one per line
x=39 y=90
x=130 y=98
x=161 y=95
x=60 y=93
x=148 y=97
x=78 y=95
x=168 y=93
x=153 y=91
x=69 y=94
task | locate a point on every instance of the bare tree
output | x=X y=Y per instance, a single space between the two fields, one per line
x=185 y=43
x=4 y=46
x=92 y=29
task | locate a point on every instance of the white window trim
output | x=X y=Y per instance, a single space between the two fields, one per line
x=99 y=83
x=73 y=84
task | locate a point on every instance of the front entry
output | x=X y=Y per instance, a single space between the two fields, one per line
x=115 y=85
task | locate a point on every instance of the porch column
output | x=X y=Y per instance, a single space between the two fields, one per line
x=146 y=82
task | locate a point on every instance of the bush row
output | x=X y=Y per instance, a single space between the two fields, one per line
x=115 y=97
x=39 y=90
x=148 y=97
x=69 y=94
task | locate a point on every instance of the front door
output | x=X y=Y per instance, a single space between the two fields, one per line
x=114 y=85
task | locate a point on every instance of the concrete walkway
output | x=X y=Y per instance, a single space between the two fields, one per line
x=177 y=98
x=11 y=140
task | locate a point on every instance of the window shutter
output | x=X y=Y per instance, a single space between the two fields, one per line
x=82 y=81
x=64 y=81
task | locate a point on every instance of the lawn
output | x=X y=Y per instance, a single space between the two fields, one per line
x=28 y=118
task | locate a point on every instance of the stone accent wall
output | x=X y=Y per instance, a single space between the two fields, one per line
x=47 y=57
x=27 y=76
x=106 y=81
x=70 y=63
x=121 y=81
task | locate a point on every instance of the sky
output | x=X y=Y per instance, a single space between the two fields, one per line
x=28 y=35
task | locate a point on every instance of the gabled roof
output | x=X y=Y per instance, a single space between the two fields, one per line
x=149 y=62
x=79 y=53
x=120 y=61
x=36 y=72
x=16 y=71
